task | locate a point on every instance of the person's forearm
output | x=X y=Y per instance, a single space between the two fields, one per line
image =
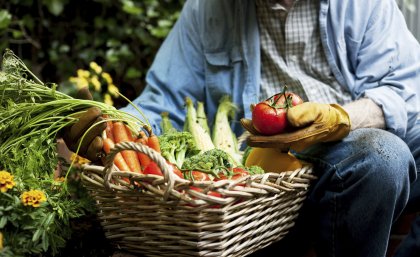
x=364 y=113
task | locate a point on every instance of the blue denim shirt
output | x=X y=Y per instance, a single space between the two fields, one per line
x=214 y=49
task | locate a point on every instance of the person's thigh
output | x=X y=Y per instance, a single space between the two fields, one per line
x=363 y=186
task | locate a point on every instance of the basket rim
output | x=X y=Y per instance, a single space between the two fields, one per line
x=170 y=186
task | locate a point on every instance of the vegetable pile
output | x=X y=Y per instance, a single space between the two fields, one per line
x=202 y=153
x=193 y=153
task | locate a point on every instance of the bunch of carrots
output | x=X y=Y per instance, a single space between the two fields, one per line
x=128 y=160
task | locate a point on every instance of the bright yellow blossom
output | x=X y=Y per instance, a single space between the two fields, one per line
x=80 y=82
x=108 y=99
x=96 y=84
x=113 y=90
x=83 y=73
x=6 y=181
x=95 y=67
x=33 y=198
x=107 y=77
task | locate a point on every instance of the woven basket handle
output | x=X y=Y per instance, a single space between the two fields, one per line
x=169 y=176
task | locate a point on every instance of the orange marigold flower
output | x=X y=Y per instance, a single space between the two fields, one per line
x=60 y=179
x=6 y=181
x=78 y=159
x=33 y=198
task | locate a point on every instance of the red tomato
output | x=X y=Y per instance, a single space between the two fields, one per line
x=279 y=100
x=199 y=176
x=153 y=168
x=176 y=170
x=238 y=173
x=269 y=120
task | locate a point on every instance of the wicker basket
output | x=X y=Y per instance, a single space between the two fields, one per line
x=168 y=216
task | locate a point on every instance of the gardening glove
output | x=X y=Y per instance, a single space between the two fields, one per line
x=90 y=145
x=311 y=122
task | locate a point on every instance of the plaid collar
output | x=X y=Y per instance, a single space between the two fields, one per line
x=276 y=4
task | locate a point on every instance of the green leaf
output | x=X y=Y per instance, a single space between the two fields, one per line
x=16 y=34
x=45 y=241
x=37 y=234
x=55 y=7
x=131 y=8
x=5 y=19
x=133 y=73
x=3 y=222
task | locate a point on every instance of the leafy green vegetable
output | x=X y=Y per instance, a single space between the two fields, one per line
x=202 y=117
x=166 y=124
x=211 y=161
x=253 y=170
x=201 y=136
x=223 y=136
x=175 y=146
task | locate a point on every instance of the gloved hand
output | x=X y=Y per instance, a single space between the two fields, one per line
x=91 y=146
x=313 y=123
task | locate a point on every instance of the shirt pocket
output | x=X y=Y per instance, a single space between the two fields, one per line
x=223 y=71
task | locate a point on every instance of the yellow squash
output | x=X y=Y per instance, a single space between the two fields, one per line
x=272 y=160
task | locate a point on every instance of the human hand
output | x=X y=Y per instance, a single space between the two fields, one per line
x=85 y=135
x=311 y=122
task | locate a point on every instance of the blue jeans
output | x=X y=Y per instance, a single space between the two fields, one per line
x=365 y=182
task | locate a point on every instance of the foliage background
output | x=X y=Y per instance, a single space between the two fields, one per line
x=57 y=37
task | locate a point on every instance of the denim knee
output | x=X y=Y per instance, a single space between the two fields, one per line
x=377 y=158
x=380 y=156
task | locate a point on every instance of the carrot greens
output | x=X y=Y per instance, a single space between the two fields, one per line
x=32 y=114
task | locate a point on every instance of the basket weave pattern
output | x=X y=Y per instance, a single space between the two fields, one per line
x=171 y=216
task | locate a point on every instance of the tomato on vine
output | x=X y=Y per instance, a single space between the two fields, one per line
x=269 y=117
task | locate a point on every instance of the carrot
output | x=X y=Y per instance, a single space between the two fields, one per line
x=108 y=130
x=153 y=140
x=120 y=135
x=153 y=143
x=142 y=134
x=144 y=158
x=118 y=160
x=129 y=133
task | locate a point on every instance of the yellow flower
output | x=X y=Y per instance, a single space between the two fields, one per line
x=1 y=241
x=83 y=73
x=95 y=67
x=113 y=90
x=108 y=99
x=96 y=83
x=60 y=179
x=33 y=198
x=107 y=77
x=6 y=181
x=78 y=159
x=80 y=82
